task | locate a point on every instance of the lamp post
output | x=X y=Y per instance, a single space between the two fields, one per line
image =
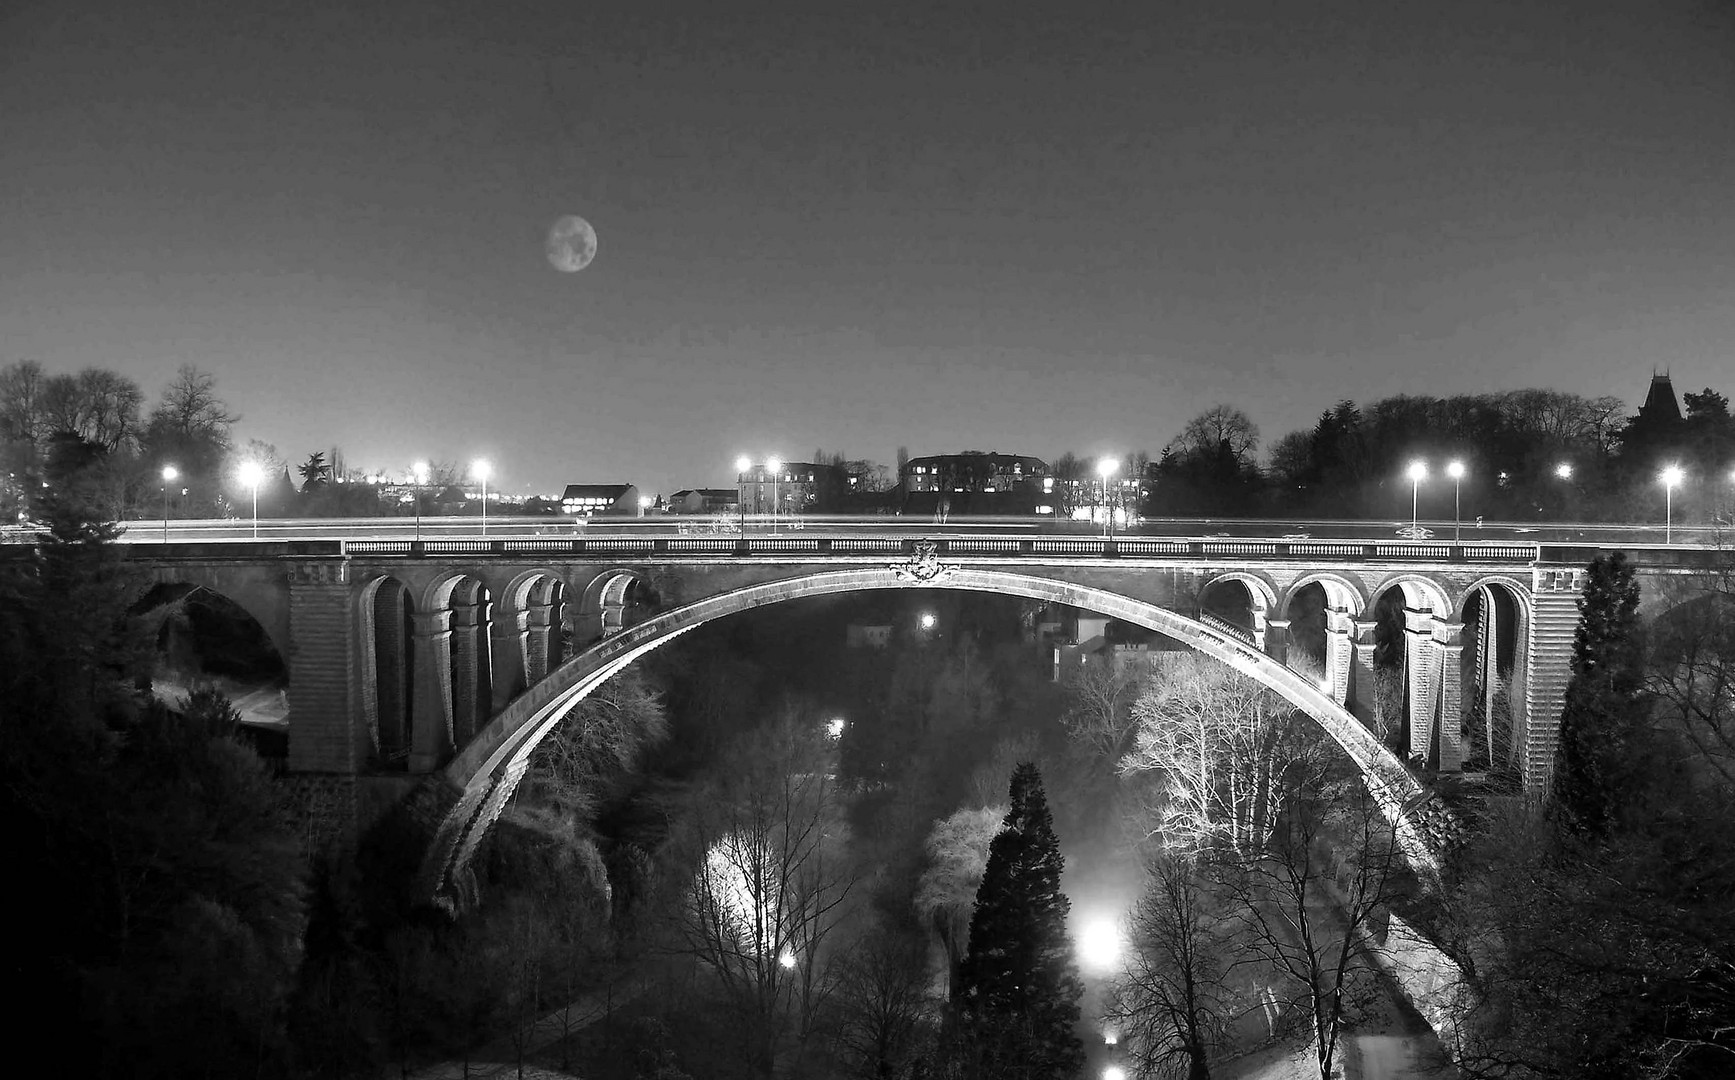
x=480 y=469
x=1670 y=477
x=775 y=465
x=1106 y=468
x=1456 y=471
x=1418 y=473
x=169 y=473
x=419 y=476
x=251 y=474
x=742 y=465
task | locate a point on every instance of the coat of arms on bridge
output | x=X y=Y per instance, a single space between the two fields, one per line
x=924 y=567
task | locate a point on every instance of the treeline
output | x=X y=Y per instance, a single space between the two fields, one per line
x=179 y=458
x=1527 y=454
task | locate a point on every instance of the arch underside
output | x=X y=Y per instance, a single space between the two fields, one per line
x=491 y=763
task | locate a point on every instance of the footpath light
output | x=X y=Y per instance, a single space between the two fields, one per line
x=1418 y=472
x=1456 y=471
x=1671 y=477
x=169 y=473
x=1106 y=468
x=418 y=477
x=251 y=474
x=1563 y=470
x=481 y=470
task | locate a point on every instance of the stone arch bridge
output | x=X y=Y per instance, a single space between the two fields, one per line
x=449 y=660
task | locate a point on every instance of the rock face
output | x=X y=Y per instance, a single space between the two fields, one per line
x=1440 y=825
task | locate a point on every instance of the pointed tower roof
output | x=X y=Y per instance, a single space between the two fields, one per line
x=1661 y=404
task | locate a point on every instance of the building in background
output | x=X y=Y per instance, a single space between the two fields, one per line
x=599 y=500
x=704 y=501
x=795 y=487
x=974 y=482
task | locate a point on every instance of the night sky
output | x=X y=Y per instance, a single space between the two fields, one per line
x=1031 y=228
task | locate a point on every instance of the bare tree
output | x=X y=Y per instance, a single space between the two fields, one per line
x=884 y=1002
x=957 y=852
x=1217 y=743
x=1218 y=426
x=772 y=885
x=1099 y=703
x=190 y=406
x=22 y=415
x=1691 y=675
x=1305 y=901
x=1171 y=1003
x=98 y=406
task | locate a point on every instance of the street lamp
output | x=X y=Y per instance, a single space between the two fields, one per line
x=1456 y=471
x=742 y=465
x=775 y=465
x=1418 y=473
x=1671 y=476
x=480 y=469
x=1099 y=945
x=169 y=473
x=1106 y=468
x=251 y=474
x=1564 y=470
x=418 y=477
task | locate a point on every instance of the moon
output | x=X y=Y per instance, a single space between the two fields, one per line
x=571 y=244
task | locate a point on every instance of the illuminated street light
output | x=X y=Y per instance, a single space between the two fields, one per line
x=1418 y=473
x=1113 y=1072
x=786 y=960
x=1099 y=945
x=251 y=474
x=169 y=473
x=1564 y=470
x=418 y=477
x=834 y=727
x=1456 y=471
x=1671 y=477
x=742 y=464
x=1106 y=468
x=481 y=470
x=927 y=620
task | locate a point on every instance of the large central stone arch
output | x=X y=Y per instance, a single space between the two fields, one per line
x=479 y=781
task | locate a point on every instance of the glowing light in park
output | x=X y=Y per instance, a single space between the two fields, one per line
x=1099 y=945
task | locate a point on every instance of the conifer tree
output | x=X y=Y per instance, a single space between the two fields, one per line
x=1605 y=707
x=1018 y=987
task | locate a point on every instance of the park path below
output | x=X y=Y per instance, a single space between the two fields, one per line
x=499 y=1058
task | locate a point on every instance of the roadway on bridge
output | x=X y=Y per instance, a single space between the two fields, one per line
x=432 y=528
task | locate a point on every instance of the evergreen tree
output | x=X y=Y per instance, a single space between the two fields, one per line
x=1605 y=704
x=1018 y=987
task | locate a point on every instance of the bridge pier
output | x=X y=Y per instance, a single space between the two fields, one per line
x=322 y=672
x=471 y=693
x=1364 y=687
x=1339 y=653
x=511 y=644
x=1277 y=640
x=538 y=643
x=431 y=733
x=1419 y=667
x=1448 y=745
